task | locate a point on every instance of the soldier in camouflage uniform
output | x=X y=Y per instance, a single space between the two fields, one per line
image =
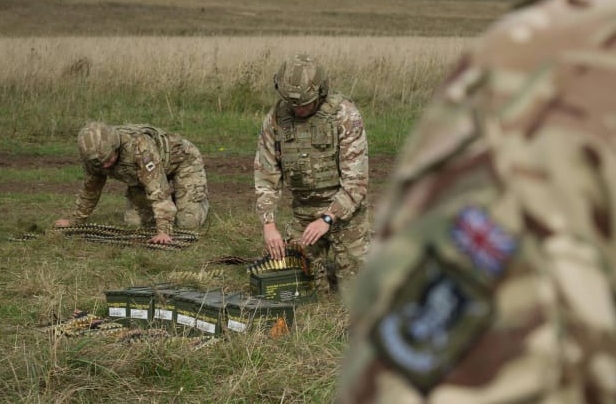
x=493 y=276
x=314 y=141
x=164 y=173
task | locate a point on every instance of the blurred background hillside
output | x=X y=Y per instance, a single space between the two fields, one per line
x=244 y=17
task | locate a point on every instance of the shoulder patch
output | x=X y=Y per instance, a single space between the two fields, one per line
x=435 y=316
x=482 y=240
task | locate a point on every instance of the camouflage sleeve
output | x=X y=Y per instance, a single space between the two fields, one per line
x=501 y=202
x=151 y=174
x=268 y=175
x=89 y=195
x=353 y=163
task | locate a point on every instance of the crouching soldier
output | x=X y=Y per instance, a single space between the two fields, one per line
x=164 y=173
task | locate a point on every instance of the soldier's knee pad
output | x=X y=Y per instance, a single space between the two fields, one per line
x=193 y=217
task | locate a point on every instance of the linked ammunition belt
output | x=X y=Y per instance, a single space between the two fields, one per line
x=199 y=278
x=24 y=237
x=89 y=325
x=98 y=233
x=294 y=258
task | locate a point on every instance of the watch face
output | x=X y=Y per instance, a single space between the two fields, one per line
x=327 y=219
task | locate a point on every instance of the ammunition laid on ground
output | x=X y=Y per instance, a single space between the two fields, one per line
x=98 y=233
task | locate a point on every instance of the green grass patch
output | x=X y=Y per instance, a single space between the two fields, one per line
x=53 y=175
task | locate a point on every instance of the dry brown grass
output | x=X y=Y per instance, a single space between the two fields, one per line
x=383 y=66
x=231 y=17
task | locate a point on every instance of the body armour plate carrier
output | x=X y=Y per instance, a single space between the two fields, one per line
x=309 y=147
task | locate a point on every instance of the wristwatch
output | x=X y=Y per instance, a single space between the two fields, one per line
x=327 y=219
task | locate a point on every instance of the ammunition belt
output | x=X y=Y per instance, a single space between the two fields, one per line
x=98 y=233
x=24 y=237
x=201 y=278
x=89 y=325
x=294 y=258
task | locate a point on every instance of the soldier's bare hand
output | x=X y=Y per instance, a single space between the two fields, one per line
x=161 y=238
x=314 y=231
x=62 y=223
x=273 y=241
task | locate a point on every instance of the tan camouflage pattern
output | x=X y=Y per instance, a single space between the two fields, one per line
x=346 y=201
x=97 y=141
x=347 y=239
x=165 y=176
x=301 y=80
x=525 y=129
x=343 y=200
x=309 y=147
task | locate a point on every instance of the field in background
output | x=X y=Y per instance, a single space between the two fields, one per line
x=211 y=89
x=245 y=17
x=64 y=62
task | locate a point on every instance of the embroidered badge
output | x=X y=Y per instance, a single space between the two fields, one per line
x=482 y=240
x=357 y=123
x=146 y=159
x=150 y=166
x=435 y=316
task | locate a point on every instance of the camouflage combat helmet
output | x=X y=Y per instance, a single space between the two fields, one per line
x=97 y=142
x=301 y=80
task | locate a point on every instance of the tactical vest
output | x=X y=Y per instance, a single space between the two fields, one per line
x=309 y=147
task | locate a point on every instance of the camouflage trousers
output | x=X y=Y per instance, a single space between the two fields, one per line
x=189 y=192
x=347 y=240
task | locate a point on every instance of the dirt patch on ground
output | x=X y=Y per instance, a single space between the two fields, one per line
x=231 y=167
x=24 y=162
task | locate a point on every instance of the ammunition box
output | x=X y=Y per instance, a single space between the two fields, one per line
x=199 y=312
x=117 y=304
x=141 y=306
x=246 y=312
x=286 y=286
x=164 y=307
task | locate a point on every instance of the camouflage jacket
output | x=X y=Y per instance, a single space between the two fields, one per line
x=147 y=157
x=352 y=165
x=493 y=275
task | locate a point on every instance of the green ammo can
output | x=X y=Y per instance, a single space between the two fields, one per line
x=247 y=312
x=290 y=285
x=164 y=306
x=117 y=304
x=199 y=312
x=141 y=306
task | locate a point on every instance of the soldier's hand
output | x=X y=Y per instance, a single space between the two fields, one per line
x=161 y=238
x=62 y=223
x=314 y=231
x=273 y=241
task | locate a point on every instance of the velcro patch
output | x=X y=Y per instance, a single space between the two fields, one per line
x=487 y=244
x=436 y=315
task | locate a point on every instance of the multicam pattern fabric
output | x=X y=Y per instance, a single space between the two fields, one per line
x=523 y=133
x=154 y=164
x=346 y=198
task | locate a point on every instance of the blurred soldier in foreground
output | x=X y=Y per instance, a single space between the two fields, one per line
x=314 y=141
x=164 y=173
x=493 y=276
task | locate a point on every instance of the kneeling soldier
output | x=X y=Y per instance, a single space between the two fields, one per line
x=164 y=173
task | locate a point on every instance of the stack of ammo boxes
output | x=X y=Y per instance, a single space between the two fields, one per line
x=190 y=312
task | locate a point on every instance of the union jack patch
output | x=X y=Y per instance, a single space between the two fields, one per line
x=483 y=241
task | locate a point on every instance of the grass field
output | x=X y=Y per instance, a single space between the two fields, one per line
x=204 y=69
x=244 y=17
